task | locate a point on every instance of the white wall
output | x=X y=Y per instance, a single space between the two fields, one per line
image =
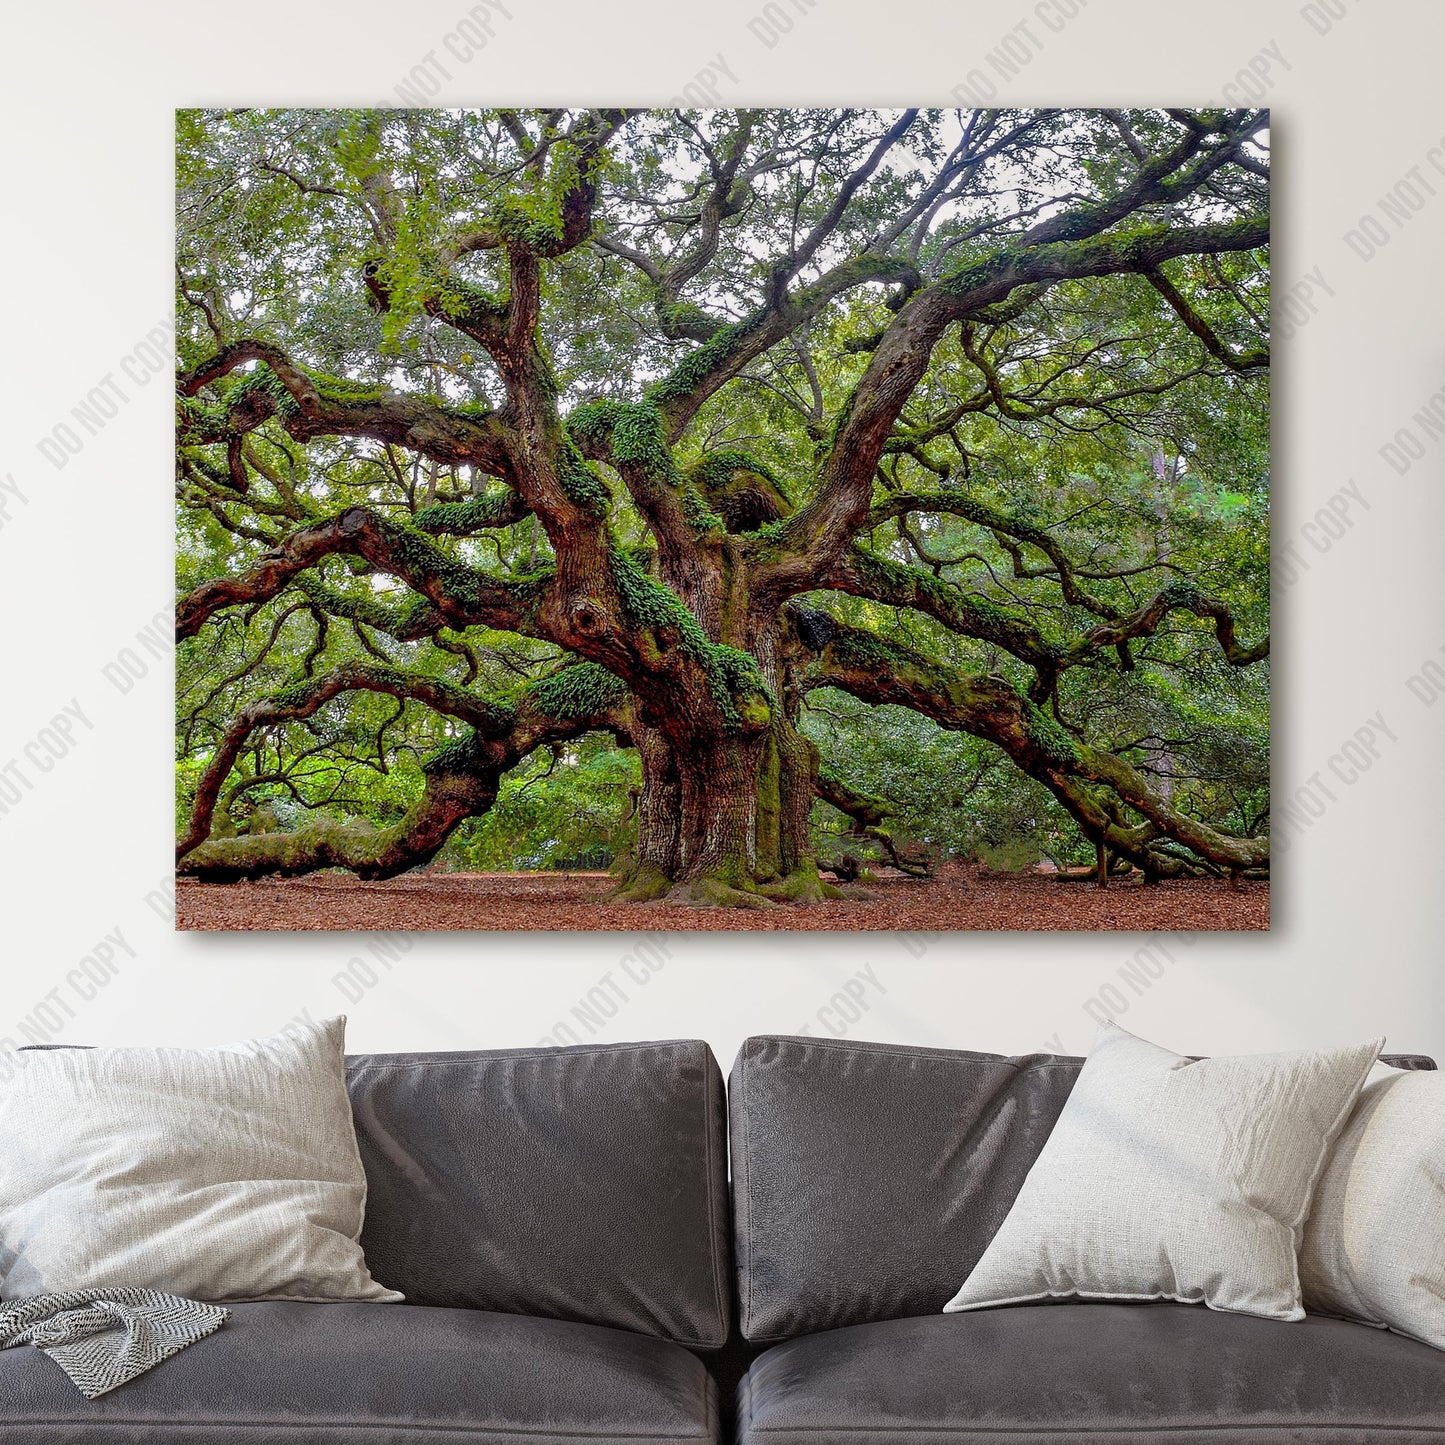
x=85 y=560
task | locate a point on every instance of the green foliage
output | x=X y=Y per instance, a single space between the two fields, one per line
x=1049 y=737
x=717 y=469
x=949 y=790
x=568 y=812
x=636 y=437
x=460 y=517
x=462 y=754
x=581 y=483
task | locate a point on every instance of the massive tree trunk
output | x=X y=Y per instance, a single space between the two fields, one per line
x=727 y=790
x=724 y=821
x=696 y=823
x=719 y=799
x=648 y=872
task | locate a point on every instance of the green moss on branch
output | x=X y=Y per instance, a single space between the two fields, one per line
x=582 y=690
x=734 y=682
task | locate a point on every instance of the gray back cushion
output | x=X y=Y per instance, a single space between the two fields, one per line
x=574 y=1183
x=869 y=1178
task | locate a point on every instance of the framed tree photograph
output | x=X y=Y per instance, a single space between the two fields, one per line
x=725 y=519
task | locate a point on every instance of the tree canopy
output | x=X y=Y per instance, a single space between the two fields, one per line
x=703 y=493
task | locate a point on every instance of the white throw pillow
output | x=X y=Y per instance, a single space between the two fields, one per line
x=222 y=1174
x=1171 y=1178
x=1374 y=1243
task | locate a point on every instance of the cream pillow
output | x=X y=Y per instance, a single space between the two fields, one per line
x=1374 y=1244
x=1171 y=1178
x=222 y=1174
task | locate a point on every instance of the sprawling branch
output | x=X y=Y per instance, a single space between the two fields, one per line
x=462 y=778
x=862 y=573
x=1161 y=180
x=807 y=248
x=309 y=405
x=1118 y=626
x=506 y=326
x=1178 y=596
x=870 y=815
x=462 y=596
x=407 y=620
x=485 y=512
x=706 y=369
x=726 y=196
x=549 y=472
x=821 y=530
x=991 y=708
x=487 y=719
x=1251 y=360
x=1001 y=523
x=577 y=162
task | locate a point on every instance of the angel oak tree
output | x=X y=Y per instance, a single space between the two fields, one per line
x=494 y=365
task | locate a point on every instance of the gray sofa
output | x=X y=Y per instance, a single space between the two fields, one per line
x=867 y=1181
x=559 y=1220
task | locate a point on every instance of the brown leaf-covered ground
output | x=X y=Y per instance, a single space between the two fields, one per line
x=960 y=898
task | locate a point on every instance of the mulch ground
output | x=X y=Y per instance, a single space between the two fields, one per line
x=959 y=899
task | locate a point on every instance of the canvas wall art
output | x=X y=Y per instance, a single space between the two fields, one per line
x=787 y=519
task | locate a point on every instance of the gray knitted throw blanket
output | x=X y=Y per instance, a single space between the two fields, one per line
x=103 y=1337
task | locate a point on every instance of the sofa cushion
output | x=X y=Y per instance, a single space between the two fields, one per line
x=1104 y=1374
x=868 y=1179
x=577 y=1183
x=365 y=1374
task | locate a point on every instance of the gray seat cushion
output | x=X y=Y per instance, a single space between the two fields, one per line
x=1105 y=1374
x=860 y=1170
x=374 y=1374
x=583 y=1184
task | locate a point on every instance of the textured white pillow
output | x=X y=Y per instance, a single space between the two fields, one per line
x=1167 y=1178
x=223 y=1174
x=1374 y=1243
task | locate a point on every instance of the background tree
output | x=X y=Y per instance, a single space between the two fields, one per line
x=743 y=441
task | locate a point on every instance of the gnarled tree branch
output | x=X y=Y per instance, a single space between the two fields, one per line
x=991 y=708
x=462 y=778
x=461 y=595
